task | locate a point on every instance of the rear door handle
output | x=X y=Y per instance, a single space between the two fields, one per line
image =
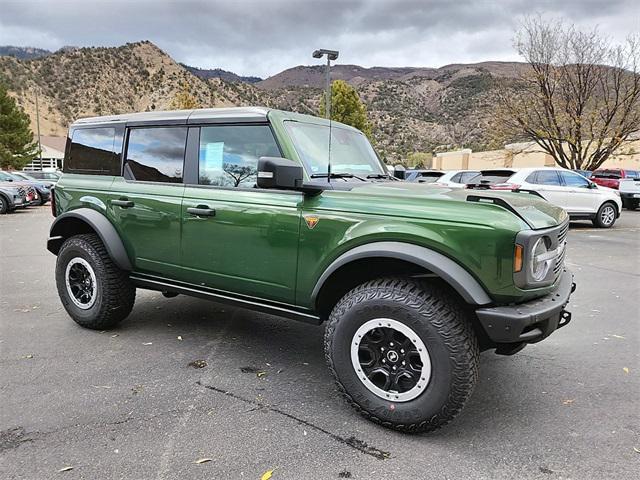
x=201 y=211
x=123 y=202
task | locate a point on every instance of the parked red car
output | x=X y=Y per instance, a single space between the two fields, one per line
x=610 y=177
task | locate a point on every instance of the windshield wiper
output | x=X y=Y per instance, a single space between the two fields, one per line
x=337 y=175
x=380 y=175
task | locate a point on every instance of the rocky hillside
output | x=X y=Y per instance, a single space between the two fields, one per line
x=220 y=73
x=412 y=109
x=23 y=53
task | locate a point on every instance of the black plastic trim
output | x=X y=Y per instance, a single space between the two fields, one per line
x=100 y=224
x=251 y=303
x=450 y=271
x=531 y=321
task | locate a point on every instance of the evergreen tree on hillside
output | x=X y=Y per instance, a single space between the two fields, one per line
x=346 y=107
x=184 y=99
x=17 y=147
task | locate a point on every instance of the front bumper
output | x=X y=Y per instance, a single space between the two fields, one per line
x=532 y=321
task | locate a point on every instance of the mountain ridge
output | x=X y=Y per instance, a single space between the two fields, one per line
x=411 y=108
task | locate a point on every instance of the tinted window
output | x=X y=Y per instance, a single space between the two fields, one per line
x=544 y=177
x=493 y=176
x=469 y=177
x=456 y=178
x=632 y=173
x=229 y=155
x=607 y=174
x=93 y=151
x=156 y=154
x=573 y=180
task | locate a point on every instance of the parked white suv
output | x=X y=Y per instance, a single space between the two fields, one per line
x=457 y=178
x=581 y=198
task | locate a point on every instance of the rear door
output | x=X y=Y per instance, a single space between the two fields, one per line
x=236 y=237
x=550 y=186
x=146 y=201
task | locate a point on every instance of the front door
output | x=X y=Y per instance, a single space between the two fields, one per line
x=236 y=237
x=146 y=202
x=582 y=198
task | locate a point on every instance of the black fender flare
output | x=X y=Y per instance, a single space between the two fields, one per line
x=447 y=269
x=61 y=229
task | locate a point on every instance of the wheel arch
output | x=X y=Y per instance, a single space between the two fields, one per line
x=5 y=197
x=376 y=259
x=86 y=220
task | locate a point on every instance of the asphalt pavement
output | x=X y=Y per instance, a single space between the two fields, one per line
x=138 y=402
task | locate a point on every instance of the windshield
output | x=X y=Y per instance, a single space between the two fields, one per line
x=8 y=177
x=22 y=176
x=607 y=174
x=351 y=152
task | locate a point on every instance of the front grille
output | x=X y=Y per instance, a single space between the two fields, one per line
x=562 y=249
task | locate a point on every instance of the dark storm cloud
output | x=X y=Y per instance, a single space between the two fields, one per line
x=264 y=37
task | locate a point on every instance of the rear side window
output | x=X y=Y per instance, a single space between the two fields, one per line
x=632 y=173
x=229 y=154
x=156 y=154
x=544 y=177
x=93 y=151
x=469 y=177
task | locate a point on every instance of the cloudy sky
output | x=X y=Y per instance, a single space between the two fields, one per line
x=253 y=37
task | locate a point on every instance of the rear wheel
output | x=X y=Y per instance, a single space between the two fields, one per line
x=95 y=293
x=403 y=353
x=606 y=216
x=4 y=206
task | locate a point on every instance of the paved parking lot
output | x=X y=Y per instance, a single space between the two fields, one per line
x=127 y=404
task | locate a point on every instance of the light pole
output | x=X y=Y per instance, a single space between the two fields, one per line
x=331 y=55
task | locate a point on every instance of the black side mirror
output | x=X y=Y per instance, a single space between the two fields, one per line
x=281 y=173
x=274 y=172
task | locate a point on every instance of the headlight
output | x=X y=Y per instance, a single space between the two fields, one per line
x=541 y=259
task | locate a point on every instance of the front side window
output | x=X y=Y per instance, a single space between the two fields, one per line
x=573 y=180
x=156 y=154
x=457 y=178
x=351 y=152
x=545 y=177
x=229 y=154
x=93 y=151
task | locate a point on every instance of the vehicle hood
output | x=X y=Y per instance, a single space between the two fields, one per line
x=535 y=211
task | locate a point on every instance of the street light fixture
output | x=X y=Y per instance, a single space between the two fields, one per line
x=331 y=55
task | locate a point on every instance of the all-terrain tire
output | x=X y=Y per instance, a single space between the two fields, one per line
x=114 y=293
x=606 y=216
x=437 y=317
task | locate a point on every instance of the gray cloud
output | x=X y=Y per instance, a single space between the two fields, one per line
x=264 y=37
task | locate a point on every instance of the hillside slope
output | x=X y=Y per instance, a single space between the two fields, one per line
x=412 y=109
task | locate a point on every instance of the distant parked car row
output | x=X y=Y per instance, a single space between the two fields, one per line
x=581 y=197
x=21 y=189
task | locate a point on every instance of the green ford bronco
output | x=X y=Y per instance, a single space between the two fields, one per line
x=288 y=214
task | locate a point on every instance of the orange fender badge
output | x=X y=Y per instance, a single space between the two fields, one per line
x=311 y=220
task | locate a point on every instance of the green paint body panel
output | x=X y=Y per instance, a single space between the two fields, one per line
x=259 y=245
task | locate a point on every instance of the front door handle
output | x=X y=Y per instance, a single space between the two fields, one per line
x=201 y=211
x=123 y=202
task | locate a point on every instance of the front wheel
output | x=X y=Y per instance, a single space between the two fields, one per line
x=606 y=216
x=403 y=353
x=93 y=291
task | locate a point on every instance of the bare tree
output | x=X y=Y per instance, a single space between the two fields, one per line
x=578 y=98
